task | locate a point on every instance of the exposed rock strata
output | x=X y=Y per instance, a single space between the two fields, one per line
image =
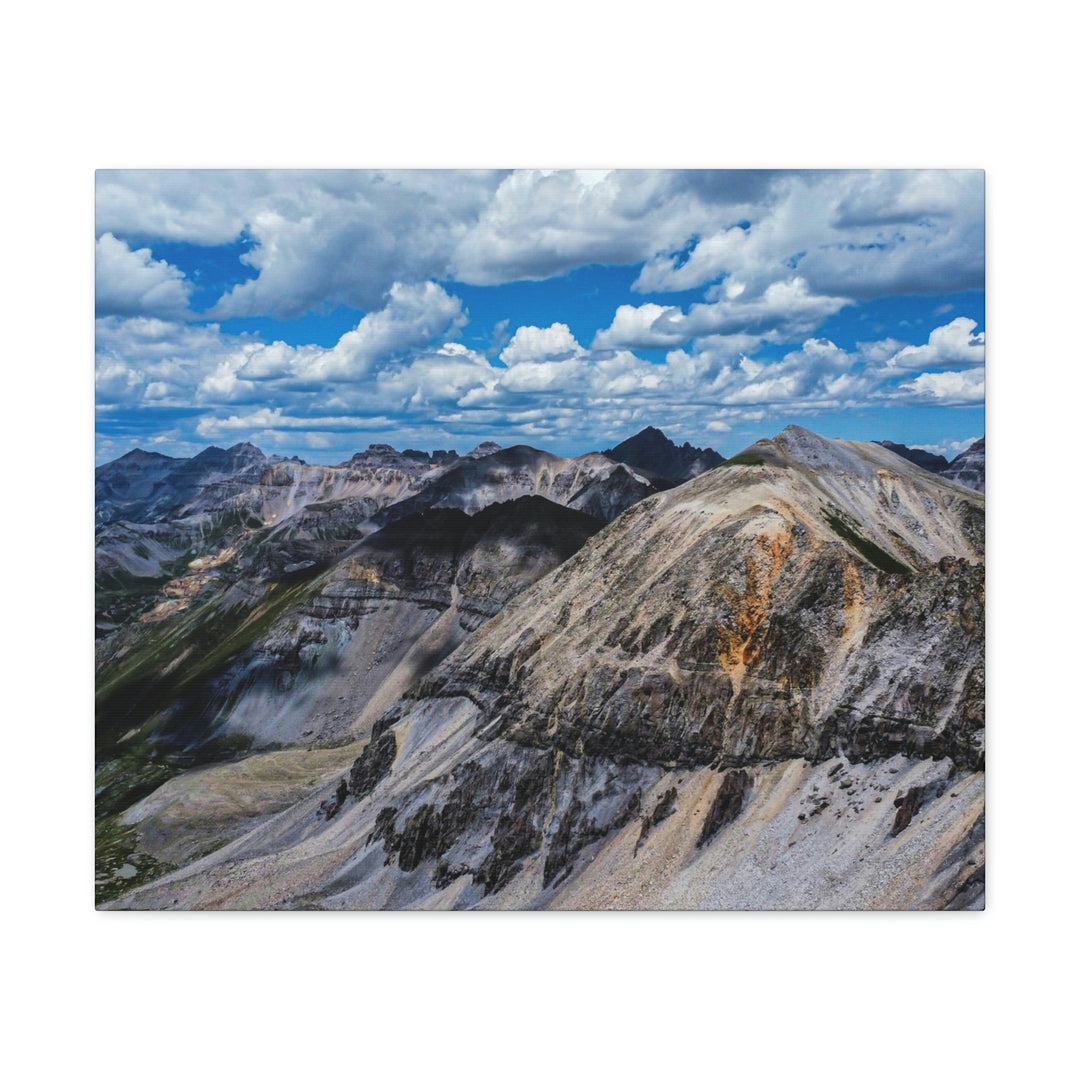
x=318 y=657
x=969 y=468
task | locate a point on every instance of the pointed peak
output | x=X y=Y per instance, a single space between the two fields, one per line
x=244 y=454
x=798 y=431
x=647 y=436
x=239 y=456
x=805 y=447
x=484 y=449
x=138 y=458
x=139 y=454
x=651 y=451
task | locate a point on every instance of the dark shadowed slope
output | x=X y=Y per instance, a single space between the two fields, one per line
x=301 y=658
x=591 y=483
x=651 y=451
x=934 y=463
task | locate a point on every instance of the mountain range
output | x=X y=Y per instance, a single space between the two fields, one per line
x=647 y=677
x=967 y=468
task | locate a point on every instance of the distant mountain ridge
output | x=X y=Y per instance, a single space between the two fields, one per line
x=591 y=483
x=935 y=463
x=166 y=526
x=967 y=468
x=652 y=452
x=145 y=486
x=383 y=454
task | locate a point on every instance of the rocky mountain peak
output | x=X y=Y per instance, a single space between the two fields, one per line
x=138 y=458
x=139 y=454
x=484 y=449
x=651 y=451
x=649 y=436
x=246 y=449
x=236 y=457
x=798 y=444
x=383 y=455
x=969 y=467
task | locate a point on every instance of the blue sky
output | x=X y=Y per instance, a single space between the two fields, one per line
x=315 y=312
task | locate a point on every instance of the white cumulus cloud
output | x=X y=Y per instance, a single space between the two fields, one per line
x=130 y=282
x=633 y=328
x=949 y=387
x=955 y=343
x=344 y=237
x=532 y=343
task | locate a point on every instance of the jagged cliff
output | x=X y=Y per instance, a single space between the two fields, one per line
x=763 y=688
x=591 y=483
x=167 y=526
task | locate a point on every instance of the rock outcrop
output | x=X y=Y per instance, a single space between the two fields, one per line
x=969 y=467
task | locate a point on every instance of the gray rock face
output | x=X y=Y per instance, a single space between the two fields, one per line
x=736 y=619
x=763 y=688
x=270 y=519
x=144 y=487
x=969 y=468
x=590 y=483
x=304 y=657
x=727 y=805
x=484 y=449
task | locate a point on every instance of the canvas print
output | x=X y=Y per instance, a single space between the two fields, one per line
x=539 y=539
